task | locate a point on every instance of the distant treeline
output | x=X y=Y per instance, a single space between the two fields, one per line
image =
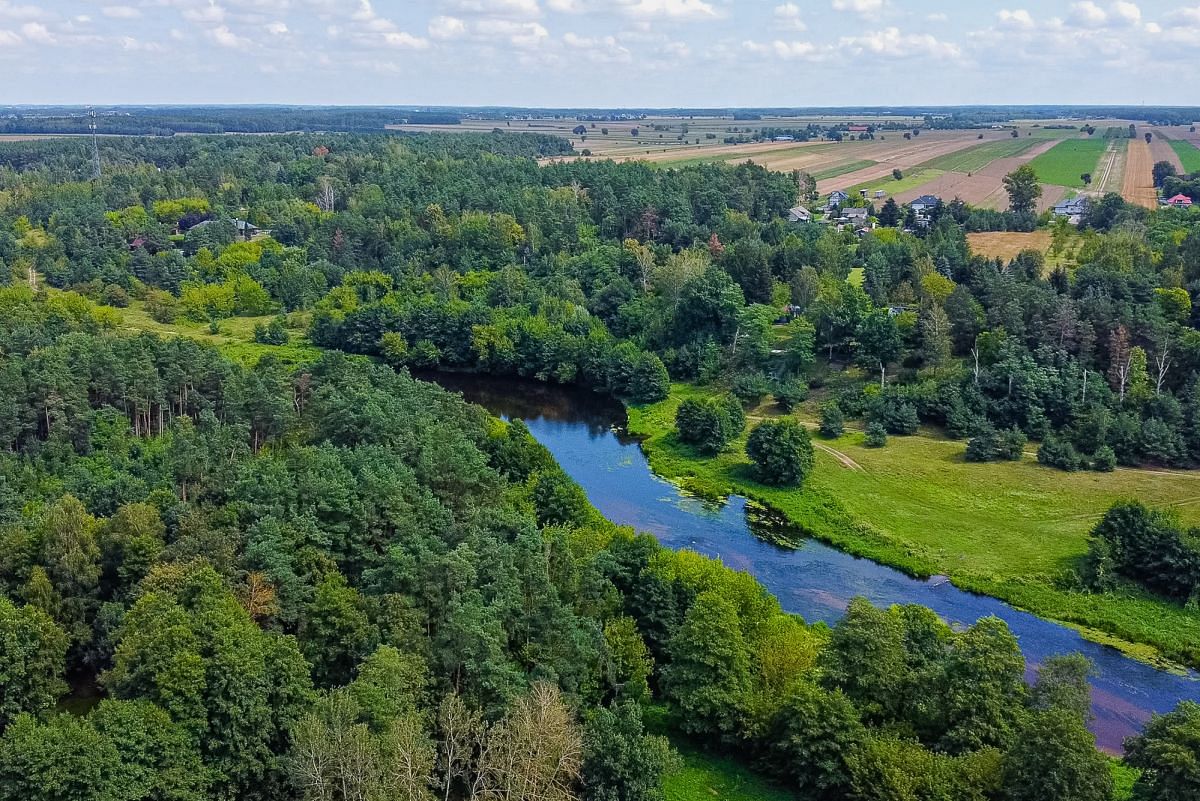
x=167 y=121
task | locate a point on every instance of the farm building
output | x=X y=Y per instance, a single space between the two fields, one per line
x=785 y=139
x=799 y=215
x=859 y=128
x=1073 y=209
x=1180 y=202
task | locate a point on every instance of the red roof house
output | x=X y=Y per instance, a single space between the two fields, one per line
x=1180 y=202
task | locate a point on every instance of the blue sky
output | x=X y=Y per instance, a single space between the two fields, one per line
x=600 y=52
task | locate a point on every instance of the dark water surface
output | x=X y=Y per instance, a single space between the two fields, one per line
x=585 y=434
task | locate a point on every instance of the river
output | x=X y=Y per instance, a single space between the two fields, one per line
x=585 y=434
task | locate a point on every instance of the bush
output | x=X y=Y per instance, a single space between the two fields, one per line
x=833 y=422
x=898 y=416
x=649 y=382
x=1104 y=460
x=1148 y=546
x=791 y=393
x=273 y=333
x=876 y=435
x=1012 y=444
x=709 y=424
x=781 y=451
x=750 y=388
x=162 y=306
x=984 y=446
x=1059 y=453
x=116 y=296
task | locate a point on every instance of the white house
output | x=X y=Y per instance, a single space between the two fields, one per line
x=799 y=215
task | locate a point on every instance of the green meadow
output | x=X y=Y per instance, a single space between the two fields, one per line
x=1064 y=163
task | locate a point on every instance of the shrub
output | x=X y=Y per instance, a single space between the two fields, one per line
x=750 y=388
x=876 y=435
x=1104 y=460
x=898 y=416
x=162 y=306
x=984 y=446
x=833 y=422
x=781 y=451
x=1058 y=453
x=708 y=424
x=116 y=296
x=791 y=393
x=1012 y=444
x=273 y=333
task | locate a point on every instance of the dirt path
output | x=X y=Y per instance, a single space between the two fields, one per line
x=845 y=460
x=1111 y=175
x=1138 y=186
x=1161 y=150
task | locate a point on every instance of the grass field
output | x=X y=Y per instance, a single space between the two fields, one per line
x=1013 y=530
x=1007 y=245
x=911 y=180
x=1188 y=153
x=976 y=158
x=1065 y=162
x=235 y=338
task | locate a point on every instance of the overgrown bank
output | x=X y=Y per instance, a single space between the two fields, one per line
x=919 y=507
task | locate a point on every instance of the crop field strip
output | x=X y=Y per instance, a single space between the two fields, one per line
x=1187 y=154
x=1063 y=164
x=1138 y=186
x=1111 y=173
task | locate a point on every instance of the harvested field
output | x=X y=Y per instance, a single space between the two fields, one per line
x=1139 y=181
x=983 y=188
x=1007 y=245
x=1164 y=149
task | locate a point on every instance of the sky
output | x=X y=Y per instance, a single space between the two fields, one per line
x=600 y=53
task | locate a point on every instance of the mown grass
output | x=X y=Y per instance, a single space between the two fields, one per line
x=1188 y=154
x=976 y=158
x=235 y=337
x=911 y=180
x=1012 y=530
x=1064 y=163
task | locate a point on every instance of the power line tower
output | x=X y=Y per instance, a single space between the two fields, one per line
x=95 y=144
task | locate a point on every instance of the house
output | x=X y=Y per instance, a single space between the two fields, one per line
x=1074 y=209
x=1180 y=202
x=838 y=198
x=785 y=139
x=925 y=204
x=243 y=230
x=857 y=218
x=859 y=128
x=799 y=215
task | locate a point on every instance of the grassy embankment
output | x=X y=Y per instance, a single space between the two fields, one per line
x=1063 y=164
x=235 y=337
x=1014 y=531
x=1188 y=154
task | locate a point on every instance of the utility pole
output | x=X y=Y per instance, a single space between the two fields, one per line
x=95 y=144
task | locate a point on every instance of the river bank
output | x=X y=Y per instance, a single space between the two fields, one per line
x=586 y=434
x=1012 y=531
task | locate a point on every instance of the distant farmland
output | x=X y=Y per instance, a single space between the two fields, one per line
x=976 y=158
x=1189 y=155
x=1064 y=163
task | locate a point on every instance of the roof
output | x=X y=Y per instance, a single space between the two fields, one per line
x=859 y=212
x=1075 y=205
x=800 y=213
x=926 y=200
x=859 y=128
x=839 y=193
x=1181 y=199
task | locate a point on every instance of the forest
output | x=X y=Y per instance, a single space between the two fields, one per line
x=319 y=578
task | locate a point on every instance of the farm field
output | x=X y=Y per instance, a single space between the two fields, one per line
x=976 y=158
x=1139 y=180
x=1007 y=245
x=1005 y=529
x=911 y=180
x=1064 y=163
x=1110 y=175
x=1187 y=154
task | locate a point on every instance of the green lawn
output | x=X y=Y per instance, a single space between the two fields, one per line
x=235 y=338
x=976 y=158
x=1010 y=530
x=1065 y=162
x=911 y=180
x=1188 y=153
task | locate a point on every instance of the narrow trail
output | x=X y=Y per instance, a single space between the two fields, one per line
x=845 y=460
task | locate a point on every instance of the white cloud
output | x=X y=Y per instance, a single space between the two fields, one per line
x=9 y=39
x=208 y=13
x=1127 y=13
x=858 y=6
x=788 y=16
x=1087 y=14
x=121 y=12
x=37 y=33
x=786 y=51
x=277 y=28
x=1020 y=18
x=892 y=43
x=673 y=9
x=1186 y=16
x=227 y=38
x=518 y=9
x=445 y=28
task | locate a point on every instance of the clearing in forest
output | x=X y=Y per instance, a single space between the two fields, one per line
x=1139 y=179
x=1066 y=162
x=1006 y=245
